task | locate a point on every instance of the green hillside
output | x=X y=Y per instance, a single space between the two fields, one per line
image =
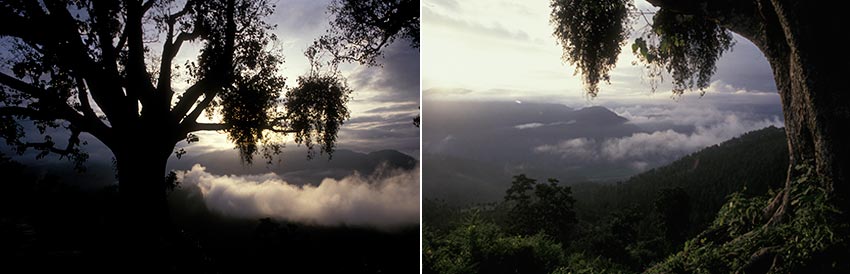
x=624 y=227
x=751 y=163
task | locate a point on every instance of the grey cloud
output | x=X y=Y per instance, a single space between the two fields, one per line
x=446 y=91
x=378 y=119
x=403 y=107
x=746 y=67
x=537 y=125
x=301 y=18
x=397 y=80
x=699 y=113
x=651 y=148
x=402 y=136
x=496 y=30
x=582 y=148
x=381 y=131
x=450 y=4
x=670 y=143
x=528 y=125
x=387 y=202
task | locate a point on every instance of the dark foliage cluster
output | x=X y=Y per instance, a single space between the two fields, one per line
x=91 y=67
x=360 y=29
x=685 y=46
x=317 y=108
x=813 y=240
x=48 y=224
x=621 y=228
x=540 y=207
x=524 y=234
x=591 y=33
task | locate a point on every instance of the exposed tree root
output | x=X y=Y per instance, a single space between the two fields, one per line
x=763 y=260
x=778 y=208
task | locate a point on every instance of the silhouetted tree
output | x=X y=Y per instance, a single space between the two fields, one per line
x=686 y=38
x=90 y=67
x=361 y=28
x=549 y=208
x=521 y=214
x=673 y=207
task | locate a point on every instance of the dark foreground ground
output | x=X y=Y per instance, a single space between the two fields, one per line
x=46 y=225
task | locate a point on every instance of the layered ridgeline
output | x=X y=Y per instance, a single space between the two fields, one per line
x=626 y=226
x=294 y=167
x=472 y=149
x=751 y=164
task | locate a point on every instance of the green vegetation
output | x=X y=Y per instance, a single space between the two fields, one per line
x=525 y=234
x=701 y=214
x=811 y=240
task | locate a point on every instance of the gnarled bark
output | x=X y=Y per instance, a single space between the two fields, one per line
x=798 y=38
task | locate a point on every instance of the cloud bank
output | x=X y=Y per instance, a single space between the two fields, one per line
x=645 y=149
x=386 y=201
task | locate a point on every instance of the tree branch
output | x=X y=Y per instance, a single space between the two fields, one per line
x=169 y=51
x=63 y=39
x=190 y=97
x=10 y=24
x=147 y=6
x=73 y=140
x=83 y=96
x=59 y=110
x=122 y=41
x=138 y=87
x=21 y=86
x=208 y=126
x=195 y=126
x=741 y=17
x=25 y=112
x=183 y=37
x=196 y=112
x=186 y=8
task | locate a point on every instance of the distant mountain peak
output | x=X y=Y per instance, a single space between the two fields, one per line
x=599 y=114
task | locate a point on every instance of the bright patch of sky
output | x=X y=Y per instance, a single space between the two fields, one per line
x=504 y=50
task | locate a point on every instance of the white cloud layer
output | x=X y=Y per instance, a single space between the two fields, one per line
x=671 y=143
x=386 y=201
x=645 y=149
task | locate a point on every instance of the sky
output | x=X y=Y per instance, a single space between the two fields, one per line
x=384 y=101
x=504 y=50
x=385 y=98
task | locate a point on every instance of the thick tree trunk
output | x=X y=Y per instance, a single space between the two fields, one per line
x=809 y=69
x=145 y=225
x=141 y=174
x=800 y=40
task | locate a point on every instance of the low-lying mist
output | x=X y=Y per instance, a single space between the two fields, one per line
x=389 y=198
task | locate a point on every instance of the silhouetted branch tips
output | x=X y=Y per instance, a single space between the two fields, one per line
x=360 y=30
x=87 y=66
x=316 y=109
x=685 y=46
x=592 y=33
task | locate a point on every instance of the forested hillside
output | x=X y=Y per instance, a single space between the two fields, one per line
x=625 y=227
x=751 y=164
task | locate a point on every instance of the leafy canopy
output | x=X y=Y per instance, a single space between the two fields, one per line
x=361 y=28
x=106 y=68
x=540 y=207
x=592 y=33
